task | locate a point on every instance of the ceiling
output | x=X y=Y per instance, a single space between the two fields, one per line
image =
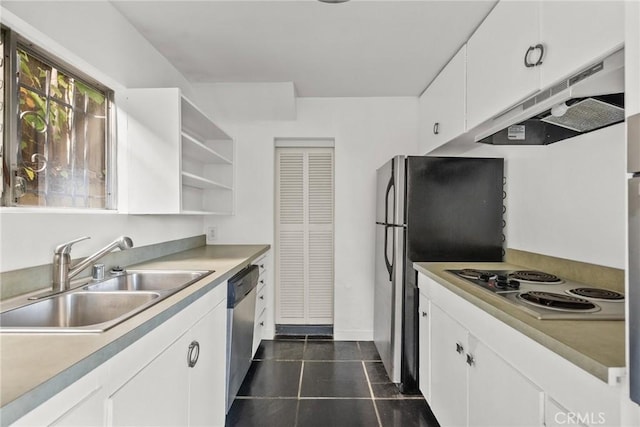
x=354 y=49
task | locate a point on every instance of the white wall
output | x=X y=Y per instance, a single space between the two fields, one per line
x=95 y=38
x=566 y=199
x=367 y=132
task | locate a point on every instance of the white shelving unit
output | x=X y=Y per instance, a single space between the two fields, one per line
x=180 y=161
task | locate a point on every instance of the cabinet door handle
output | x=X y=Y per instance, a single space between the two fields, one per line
x=470 y=360
x=193 y=354
x=436 y=128
x=459 y=348
x=424 y=314
x=262 y=281
x=262 y=297
x=262 y=323
x=526 y=57
x=539 y=47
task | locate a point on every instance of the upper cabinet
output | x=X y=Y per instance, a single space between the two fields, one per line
x=442 y=105
x=496 y=74
x=597 y=30
x=179 y=161
x=523 y=47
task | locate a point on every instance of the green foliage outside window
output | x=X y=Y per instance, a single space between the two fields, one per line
x=62 y=138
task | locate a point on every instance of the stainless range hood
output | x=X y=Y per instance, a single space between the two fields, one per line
x=589 y=100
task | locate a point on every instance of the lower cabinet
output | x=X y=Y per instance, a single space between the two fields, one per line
x=424 y=345
x=81 y=404
x=261 y=303
x=184 y=385
x=157 y=395
x=476 y=370
x=173 y=376
x=471 y=385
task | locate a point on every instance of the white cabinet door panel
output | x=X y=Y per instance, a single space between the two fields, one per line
x=448 y=369
x=492 y=382
x=424 y=349
x=207 y=388
x=496 y=75
x=442 y=105
x=157 y=395
x=569 y=48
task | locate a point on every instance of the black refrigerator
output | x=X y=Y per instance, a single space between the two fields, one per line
x=428 y=209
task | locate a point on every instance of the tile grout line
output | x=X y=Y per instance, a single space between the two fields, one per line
x=373 y=400
x=295 y=424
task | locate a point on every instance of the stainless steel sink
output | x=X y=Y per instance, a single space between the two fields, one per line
x=77 y=312
x=149 y=280
x=98 y=306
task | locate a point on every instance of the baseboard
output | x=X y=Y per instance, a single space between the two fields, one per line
x=325 y=330
x=352 y=335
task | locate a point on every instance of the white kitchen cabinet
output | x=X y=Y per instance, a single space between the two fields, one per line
x=599 y=31
x=81 y=404
x=538 y=34
x=424 y=345
x=470 y=383
x=183 y=385
x=157 y=395
x=448 y=369
x=207 y=378
x=513 y=379
x=496 y=75
x=179 y=161
x=261 y=303
x=442 y=105
x=492 y=381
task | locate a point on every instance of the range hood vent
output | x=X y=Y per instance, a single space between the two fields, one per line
x=591 y=99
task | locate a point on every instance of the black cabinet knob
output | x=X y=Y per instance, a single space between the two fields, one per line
x=459 y=348
x=470 y=360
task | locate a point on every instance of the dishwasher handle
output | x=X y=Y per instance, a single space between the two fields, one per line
x=240 y=285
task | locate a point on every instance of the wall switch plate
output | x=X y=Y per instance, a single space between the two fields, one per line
x=212 y=234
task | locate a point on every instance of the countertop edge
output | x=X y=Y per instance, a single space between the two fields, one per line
x=20 y=406
x=603 y=372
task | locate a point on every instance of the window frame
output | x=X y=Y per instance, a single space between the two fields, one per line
x=8 y=150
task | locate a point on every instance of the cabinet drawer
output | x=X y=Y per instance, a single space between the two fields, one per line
x=261 y=301
x=258 y=330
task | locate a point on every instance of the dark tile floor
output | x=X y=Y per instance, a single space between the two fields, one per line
x=306 y=381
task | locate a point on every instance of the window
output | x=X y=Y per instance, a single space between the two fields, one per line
x=57 y=141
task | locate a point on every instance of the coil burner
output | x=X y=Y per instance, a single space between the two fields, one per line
x=473 y=274
x=555 y=301
x=537 y=277
x=597 y=294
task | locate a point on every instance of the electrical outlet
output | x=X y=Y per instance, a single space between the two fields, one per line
x=212 y=234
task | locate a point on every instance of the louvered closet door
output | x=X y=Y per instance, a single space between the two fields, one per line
x=304 y=236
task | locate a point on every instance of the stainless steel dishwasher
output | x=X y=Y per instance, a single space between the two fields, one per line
x=241 y=311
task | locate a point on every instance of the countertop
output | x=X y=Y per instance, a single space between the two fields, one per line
x=35 y=367
x=596 y=346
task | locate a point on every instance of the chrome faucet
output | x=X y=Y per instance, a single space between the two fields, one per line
x=62 y=270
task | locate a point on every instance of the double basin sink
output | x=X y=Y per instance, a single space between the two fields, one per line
x=98 y=306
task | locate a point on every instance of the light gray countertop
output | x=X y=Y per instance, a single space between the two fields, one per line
x=34 y=367
x=596 y=346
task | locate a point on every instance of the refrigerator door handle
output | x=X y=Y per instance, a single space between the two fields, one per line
x=390 y=186
x=386 y=247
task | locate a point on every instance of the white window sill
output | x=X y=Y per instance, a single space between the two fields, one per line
x=24 y=210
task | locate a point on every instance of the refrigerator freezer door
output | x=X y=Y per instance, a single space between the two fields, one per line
x=633 y=143
x=634 y=288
